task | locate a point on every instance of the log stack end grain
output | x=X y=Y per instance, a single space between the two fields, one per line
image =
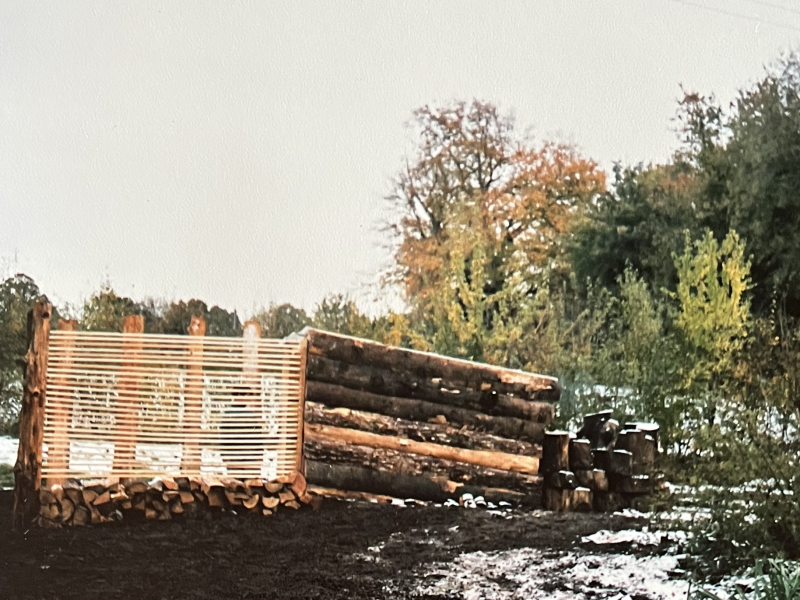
x=603 y=469
x=96 y=502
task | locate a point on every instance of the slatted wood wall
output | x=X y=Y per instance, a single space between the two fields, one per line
x=134 y=404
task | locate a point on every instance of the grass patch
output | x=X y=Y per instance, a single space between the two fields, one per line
x=6 y=476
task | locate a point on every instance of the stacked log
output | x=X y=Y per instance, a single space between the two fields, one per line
x=606 y=470
x=76 y=503
x=371 y=407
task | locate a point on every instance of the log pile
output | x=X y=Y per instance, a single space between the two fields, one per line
x=603 y=468
x=373 y=409
x=74 y=503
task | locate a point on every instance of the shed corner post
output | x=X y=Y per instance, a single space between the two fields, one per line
x=28 y=468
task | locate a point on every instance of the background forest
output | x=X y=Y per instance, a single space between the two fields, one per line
x=668 y=292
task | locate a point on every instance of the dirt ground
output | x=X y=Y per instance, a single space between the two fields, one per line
x=329 y=553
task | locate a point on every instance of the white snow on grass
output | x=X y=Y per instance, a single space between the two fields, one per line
x=529 y=573
x=8 y=450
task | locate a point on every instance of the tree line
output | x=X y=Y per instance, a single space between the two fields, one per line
x=665 y=291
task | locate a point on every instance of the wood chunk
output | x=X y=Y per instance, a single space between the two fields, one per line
x=270 y=502
x=46 y=496
x=75 y=495
x=50 y=511
x=273 y=487
x=152 y=513
x=585 y=478
x=564 y=480
x=285 y=497
x=183 y=483
x=600 y=429
x=299 y=485
x=136 y=487
x=293 y=504
x=555 y=452
x=251 y=503
x=232 y=498
x=556 y=500
x=253 y=483
x=170 y=495
x=306 y=498
x=266 y=512
x=67 y=509
x=156 y=484
x=139 y=502
x=89 y=496
x=158 y=505
x=96 y=517
x=82 y=516
x=580 y=455
x=126 y=504
x=103 y=498
x=621 y=463
x=195 y=483
x=170 y=484
x=199 y=496
x=175 y=507
x=216 y=497
x=186 y=497
x=581 y=500
x=600 y=480
x=58 y=491
x=602 y=458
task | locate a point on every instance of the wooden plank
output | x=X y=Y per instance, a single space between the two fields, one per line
x=28 y=468
x=301 y=403
x=492 y=460
x=190 y=463
x=58 y=454
x=128 y=401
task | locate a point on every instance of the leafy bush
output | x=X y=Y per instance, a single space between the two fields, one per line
x=772 y=580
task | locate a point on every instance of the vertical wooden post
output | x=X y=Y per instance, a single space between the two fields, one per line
x=129 y=401
x=58 y=453
x=28 y=468
x=301 y=407
x=191 y=458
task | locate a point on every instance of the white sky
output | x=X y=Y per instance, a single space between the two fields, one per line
x=239 y=152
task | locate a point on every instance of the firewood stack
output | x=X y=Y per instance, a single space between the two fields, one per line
x=73 y=503
x=601 y=468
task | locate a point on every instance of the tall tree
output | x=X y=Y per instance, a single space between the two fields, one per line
x=479 y=206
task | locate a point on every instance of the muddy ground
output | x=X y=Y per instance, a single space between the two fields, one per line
x=343 y=550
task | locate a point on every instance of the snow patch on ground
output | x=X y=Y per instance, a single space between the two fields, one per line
x=533 y=574
x=8 y=450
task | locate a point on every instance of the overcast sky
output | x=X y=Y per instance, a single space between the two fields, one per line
x=239 y=152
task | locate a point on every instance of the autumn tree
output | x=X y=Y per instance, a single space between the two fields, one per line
x=482 y=213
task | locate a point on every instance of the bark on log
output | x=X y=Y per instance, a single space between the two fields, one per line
x=492 y=460
x=404 y=384
x=422 y=410
x=642 y=448
x=581 y=500
x=359 y=479
x=437 y=433
x=621 y=463
x=460 y=373
x=28 y=468
x=555 y=452
x=580 y=455
x=600 y=429
x=391 y=461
